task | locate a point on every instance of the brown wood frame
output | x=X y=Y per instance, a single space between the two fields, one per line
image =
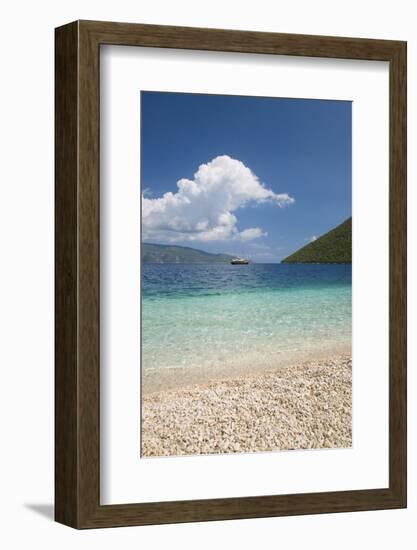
x=77 y=466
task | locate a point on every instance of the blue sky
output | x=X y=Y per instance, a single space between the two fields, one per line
x=277 y=171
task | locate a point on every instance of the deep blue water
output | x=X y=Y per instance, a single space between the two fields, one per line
x=182 y=280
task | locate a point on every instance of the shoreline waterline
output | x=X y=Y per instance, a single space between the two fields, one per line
x=169 y=379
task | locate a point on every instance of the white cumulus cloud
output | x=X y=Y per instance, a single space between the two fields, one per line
x=203 y=209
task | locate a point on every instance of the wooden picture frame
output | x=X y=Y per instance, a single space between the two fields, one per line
x=77 y=382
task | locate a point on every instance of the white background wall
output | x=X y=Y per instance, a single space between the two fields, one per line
x=26 y=273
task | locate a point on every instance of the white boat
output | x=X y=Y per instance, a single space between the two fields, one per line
x=239 y=261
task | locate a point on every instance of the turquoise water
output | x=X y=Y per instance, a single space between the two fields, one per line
x=216 y=316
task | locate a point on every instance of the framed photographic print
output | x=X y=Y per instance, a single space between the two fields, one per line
x=230 y=274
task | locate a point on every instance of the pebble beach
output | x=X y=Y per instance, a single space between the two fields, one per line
x=306 y=405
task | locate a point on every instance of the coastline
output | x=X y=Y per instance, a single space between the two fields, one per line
x=252 y=363
x=300 y=405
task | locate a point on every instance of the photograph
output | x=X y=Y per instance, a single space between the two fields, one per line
x=246 y=274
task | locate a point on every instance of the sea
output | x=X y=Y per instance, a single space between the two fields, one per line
x=205 y=319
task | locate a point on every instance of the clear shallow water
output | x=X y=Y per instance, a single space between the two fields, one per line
x=211 y=317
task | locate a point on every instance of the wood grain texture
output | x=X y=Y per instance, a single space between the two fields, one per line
x=398 y=273
x=78 y=284
x=66 y=237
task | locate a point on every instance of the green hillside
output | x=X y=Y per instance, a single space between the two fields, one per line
x=167 y=254
x=334 y=247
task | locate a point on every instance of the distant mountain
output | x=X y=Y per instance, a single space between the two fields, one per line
x=334 y=247
x=168 y=254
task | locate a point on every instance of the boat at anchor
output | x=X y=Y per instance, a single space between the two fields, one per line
x=239 y=261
